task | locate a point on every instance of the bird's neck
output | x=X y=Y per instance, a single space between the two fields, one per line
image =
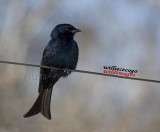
x=63 y=38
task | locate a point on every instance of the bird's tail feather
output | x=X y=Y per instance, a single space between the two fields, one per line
x=42 y=104
x=46 y=102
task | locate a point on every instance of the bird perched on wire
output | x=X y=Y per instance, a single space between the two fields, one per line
x=62 y=52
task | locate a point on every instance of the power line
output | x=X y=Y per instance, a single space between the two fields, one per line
x=80 y=71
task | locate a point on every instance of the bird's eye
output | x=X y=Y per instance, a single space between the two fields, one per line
x=66 y=29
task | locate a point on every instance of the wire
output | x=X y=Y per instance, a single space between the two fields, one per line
x=80 y=71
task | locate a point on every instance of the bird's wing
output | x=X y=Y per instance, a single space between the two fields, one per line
x=40 y=82
x=44 y=73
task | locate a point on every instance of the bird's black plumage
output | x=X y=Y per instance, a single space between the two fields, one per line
x=61 y=52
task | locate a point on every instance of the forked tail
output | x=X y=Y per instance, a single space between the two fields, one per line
x=42 y=104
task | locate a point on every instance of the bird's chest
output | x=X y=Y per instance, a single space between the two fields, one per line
x=65 y=56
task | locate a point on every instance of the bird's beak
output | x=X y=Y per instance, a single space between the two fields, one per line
x=76 y=30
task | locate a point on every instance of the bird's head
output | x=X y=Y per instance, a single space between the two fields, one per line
x=64 y=30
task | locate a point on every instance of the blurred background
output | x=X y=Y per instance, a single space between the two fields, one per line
x=123 y=33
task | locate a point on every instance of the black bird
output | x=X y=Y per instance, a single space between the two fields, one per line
x=62 y=52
